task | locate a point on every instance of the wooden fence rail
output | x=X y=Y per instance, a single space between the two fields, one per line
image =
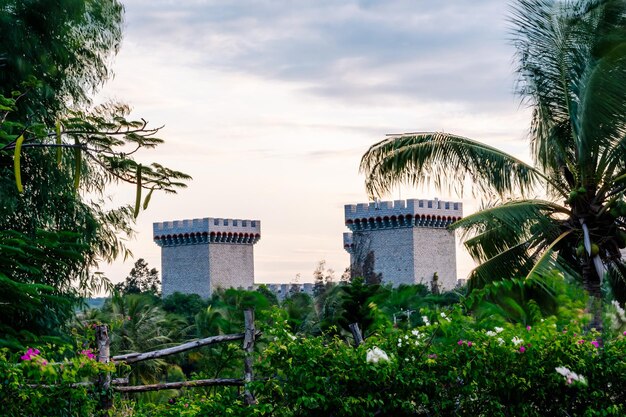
x=106 y=385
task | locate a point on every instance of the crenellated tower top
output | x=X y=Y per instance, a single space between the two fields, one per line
x=402 y=213
x=207 y=230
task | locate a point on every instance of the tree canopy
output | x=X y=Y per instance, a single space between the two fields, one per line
x=59 y=155
x=571 y=65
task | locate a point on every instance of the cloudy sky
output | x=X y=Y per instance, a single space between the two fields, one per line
x=269 y=105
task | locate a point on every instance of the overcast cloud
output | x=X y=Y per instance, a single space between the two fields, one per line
x=269 y=105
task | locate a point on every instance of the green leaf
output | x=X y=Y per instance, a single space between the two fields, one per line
x=147 y=199
x=16 y=163
x=138 y=195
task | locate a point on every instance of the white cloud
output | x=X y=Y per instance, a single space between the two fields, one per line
x=269 y=106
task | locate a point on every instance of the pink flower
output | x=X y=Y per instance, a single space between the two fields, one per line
x=581 y=341
x=528 y=328
x=624 y=333
x=432 y=356
x=88 y=353
x=595 y=344
x=30 y=354
x=469 y=344
x=522 y=349
x=44 y=362
x=460 y=342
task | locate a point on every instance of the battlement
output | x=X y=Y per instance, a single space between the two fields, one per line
x=402 y=213
x=206 y=230
x=348 y=243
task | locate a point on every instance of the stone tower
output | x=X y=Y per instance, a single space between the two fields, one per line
x=409 y=239
x=200 y=255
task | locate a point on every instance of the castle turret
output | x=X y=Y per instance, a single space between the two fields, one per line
x=410 y=239
x=201 y=255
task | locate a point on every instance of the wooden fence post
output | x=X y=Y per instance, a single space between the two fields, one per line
x=104 y=379
x=356 y=333
x=248 y=347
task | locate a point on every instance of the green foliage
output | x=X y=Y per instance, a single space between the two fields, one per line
x=184 y=305
x=138 y=324
x=66 y=45
x=39 y=382
x=33 y=302
x=453 y=367
x=571 y=63
x=54 y=151
x=140 y=279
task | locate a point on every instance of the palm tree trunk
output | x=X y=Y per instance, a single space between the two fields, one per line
x=592 y=280
x=591 y=284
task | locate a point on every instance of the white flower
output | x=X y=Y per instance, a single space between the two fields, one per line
x=570 y=376
x=425 y=320
x=490 y=333
x=620 y=311
x=415 y=332
x=376 y=354
x=498 y=329
x=406 y=337
x=500 y=341
x=399 y=344
x=399 y=340
x=517 y=341
x=442 y=314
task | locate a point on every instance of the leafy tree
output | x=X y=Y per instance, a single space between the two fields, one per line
x=572 y=69
x=185 y=305
x=323 y=278
x=269 y=294
x=141 y=279
x=55 y=151
x=66 y=45
x=300 y=310
x=141 y=325
x=356 y=306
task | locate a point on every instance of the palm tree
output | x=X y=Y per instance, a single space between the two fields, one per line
x=140 y=325
x=571 y=59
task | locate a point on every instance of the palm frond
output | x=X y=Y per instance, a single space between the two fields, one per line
x=508 y=239
x=503 y=226
x=446 y=161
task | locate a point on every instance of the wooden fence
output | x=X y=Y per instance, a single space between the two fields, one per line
x=106 y=385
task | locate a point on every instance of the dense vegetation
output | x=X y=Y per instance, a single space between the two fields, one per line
x=528 y=337
x=424 y=354
x=572 y=67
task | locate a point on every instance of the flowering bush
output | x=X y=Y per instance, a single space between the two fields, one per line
x=450 y=367
x=42 y=381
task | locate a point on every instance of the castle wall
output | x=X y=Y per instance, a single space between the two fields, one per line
x=185 y=269
x=393 y=253
x=435 y=251
x=200 y=255
x=231 y=266
x=410 y=239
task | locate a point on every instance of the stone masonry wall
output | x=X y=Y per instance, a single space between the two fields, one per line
x=231 y=266
x=435 y=251
x=201 y=255
x=410 y=239
x=393 y=253
x=185 y=269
